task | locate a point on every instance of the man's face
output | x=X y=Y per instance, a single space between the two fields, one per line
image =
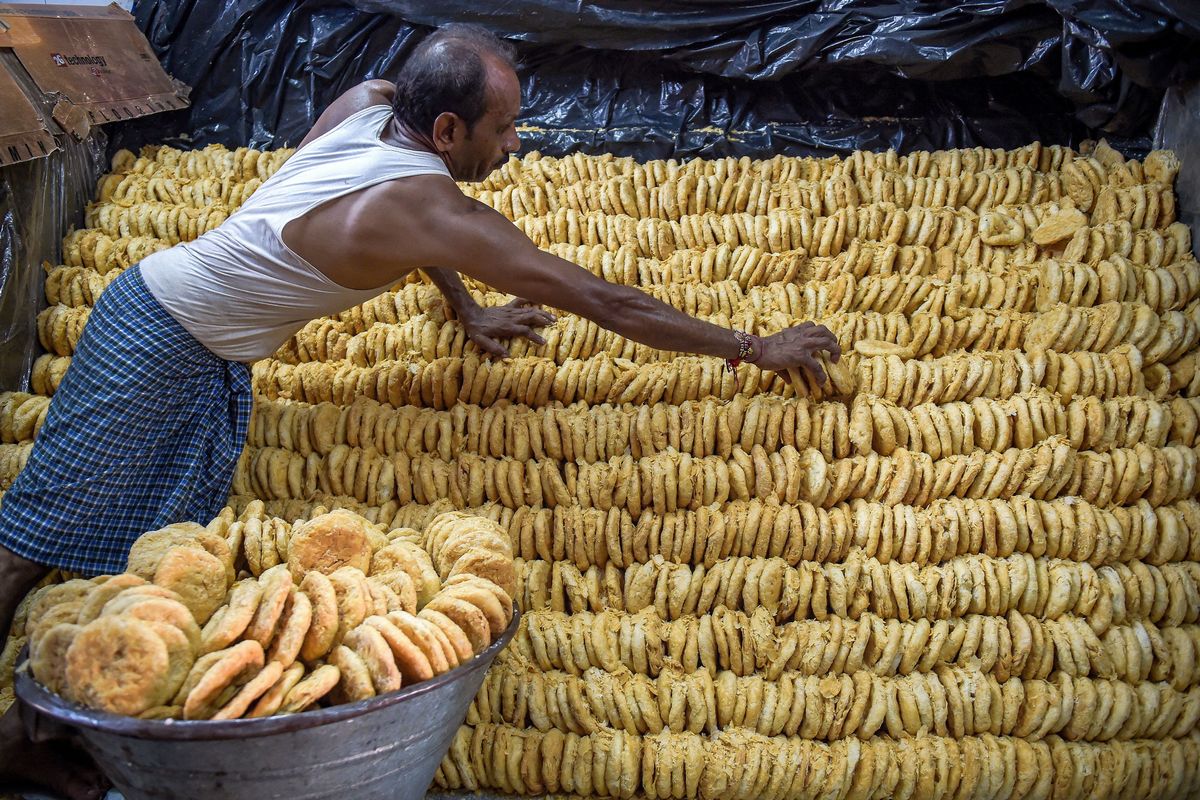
x=488 y=144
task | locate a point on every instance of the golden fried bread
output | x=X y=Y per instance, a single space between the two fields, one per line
x=118 y=664
x=234 y=667
x=197 y=576
x=329 y=542
x=325 y=617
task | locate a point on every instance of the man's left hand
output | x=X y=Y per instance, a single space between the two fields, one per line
x=486 y=326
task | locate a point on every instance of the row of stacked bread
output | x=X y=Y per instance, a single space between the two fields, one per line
x=1021 y=418
x=919 y=315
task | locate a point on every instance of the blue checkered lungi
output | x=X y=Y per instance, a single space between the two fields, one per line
x=145 y=430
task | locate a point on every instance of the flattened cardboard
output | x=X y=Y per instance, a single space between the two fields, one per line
x=90 y=63
x=23 y=135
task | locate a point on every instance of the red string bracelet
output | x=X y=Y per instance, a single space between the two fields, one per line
x=746 y=352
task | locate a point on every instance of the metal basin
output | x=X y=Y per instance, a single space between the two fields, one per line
x=388 y=747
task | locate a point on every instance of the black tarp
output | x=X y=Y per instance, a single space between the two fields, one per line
x=705 y=77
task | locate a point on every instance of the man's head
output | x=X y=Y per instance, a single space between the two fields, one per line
x=460 y=90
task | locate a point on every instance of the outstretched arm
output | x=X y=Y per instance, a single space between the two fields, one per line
x=479 y=242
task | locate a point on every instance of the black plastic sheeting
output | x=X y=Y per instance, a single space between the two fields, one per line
x=705 y=77
x=39 y=202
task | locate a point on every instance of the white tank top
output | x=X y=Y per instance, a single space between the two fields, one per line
x=238 y=288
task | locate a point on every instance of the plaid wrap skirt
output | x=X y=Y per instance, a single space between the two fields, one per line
x=145 y=430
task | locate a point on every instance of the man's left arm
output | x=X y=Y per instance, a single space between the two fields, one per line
x=485 y=326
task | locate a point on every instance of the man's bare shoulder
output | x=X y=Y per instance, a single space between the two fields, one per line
x=364 y=95
x=380 y=90
x=421 y=195
x=420 y=211
x=350 y=102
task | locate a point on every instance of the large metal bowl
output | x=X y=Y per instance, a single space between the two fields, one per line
x=388 y=747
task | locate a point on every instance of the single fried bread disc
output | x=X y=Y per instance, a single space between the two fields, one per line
x=272 y=699
x=421 y=633
x=294 y=626
x=409 y=658
x=374 y=650
x=231 y=620
x=469 y=618
x=251 y=691
x=355 y=682
x=459 y=642
x=197 y=576
x=277 y=587
x=118 y=664
x=49 y=659
x=323 y=627
x=329 y=542
x=180 y=655
x=236 y=665
x=323 y=680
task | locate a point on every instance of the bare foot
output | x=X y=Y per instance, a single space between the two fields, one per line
x=58 y=768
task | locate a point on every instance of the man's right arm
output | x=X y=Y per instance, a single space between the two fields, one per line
x=491 y=249
x=475 y=240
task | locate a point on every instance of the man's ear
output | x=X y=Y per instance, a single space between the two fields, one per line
x=448 y=129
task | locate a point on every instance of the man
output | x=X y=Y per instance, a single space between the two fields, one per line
x=149 y=422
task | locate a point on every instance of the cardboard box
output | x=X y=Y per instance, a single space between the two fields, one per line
x=66 y=68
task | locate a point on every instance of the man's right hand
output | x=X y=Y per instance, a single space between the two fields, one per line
x=486 y=326
x=798 y=347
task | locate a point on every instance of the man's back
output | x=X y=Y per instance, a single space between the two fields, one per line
x=240 y=289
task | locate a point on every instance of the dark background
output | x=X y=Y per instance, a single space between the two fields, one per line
x=704 y=77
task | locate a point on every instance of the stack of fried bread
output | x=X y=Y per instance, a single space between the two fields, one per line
x=968 y=565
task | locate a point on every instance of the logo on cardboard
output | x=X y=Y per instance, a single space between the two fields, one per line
x=61 y=60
